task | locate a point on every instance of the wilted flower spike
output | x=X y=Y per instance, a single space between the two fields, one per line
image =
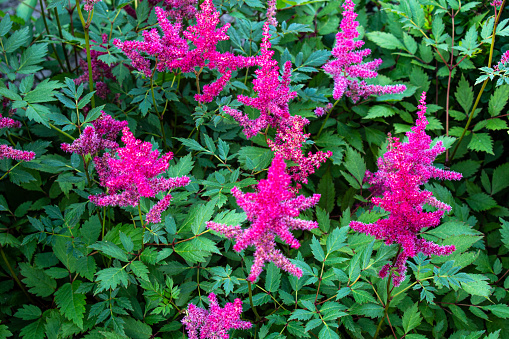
x=134 y=173
x=215 y=322
x=402 y=170
x=347 y=66
x=272 y=210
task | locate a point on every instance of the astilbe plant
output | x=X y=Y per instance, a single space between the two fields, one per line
x=272 y=210
x=215 y=322
x=100 y=136
x=134 y=174
x=173 y=50
x=348 y=67
x=273 y=94
x=8 y=151
x=402 y=170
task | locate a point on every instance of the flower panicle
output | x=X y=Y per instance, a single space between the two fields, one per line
x=402 y=170
x=8 y=151
x=215 y=322
x=272 y=210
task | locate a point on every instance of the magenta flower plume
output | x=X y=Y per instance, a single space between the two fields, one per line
x=95 y=138
x=133 y=174
x=89 y=4
x=272 y=210
x=403 y=169
x=348 y=66
x=8 y=151
x=288 y=143
x=173 y=51
x=503 y=60
x=216 y=322
x=273 y=94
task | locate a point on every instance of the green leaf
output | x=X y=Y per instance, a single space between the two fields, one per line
x=34 y=330
x=504 y=232
x=70 y=303
x=327 y=191
x=355 y=164
x=464 y=94
x=481 y=142
x=411 y=318
x=4 y=330
x=273 y=278
x=501 y=311
x=500 y=178
x=16 y=40
x=32 y=56
x=136 y=329
x=5 y=25
x=140 y=270
x=481 y=202
x=183 y=166
x=317 y=250
x=327 y=333
x=336 y=240
x=479 y=286
x=110 y=249
x=28 y=312
x=190 y=253
x=410 y=43
x=255 y=158
x=380 y=111
x=498 y=100
x=202 y=214
x=38 y=282
x=385 y=40
x=111 y=278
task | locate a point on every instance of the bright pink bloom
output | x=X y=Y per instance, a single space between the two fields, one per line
x=496 y=3
x=273 y=94
x=272 y=210
x=154 y=215
x=320 y=111
x=402 y=170
x=271 y=12
x=503 y=60
x=288 y=143
x=133 y=173
x=98 y=137
x=216 y=322
x=8 y=151
x=348 y=66
x=172 y=51
x=89 y=4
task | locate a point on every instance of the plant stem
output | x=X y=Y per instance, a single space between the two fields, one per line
x=160 y=116
x=43 y=13
x=14 y=276
x=251 y=300
x=86 y=26
x=326 y=118
x=490 y=59
x=62 y=37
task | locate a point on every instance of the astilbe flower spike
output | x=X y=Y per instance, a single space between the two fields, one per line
x=215 y=322
x=402 y=170
x=273 y=94
x=348 y=66
x=272 y=210
x=8 y=151
x=288 y=143
x=89 y=4
x=133 y=174
x=95 y=138
x=173 y=50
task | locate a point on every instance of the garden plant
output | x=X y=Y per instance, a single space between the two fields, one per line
x=254 y=169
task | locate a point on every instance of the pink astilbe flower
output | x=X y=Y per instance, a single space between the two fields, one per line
x=8 y=151
x=320 y=111
x=403 y=169
x=172 y=50
x=496 y=3
x=271 y=12
x=95 y=138
x=273 y=95
x=89 y=4
x=216 y=322
x=503 y=60
x=272 y=210
x=134 y=173
x=288 y=143
x=348 y=64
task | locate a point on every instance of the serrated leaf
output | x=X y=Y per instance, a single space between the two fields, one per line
x=498 y=100
x=16 y=40
x=327 y=192
x=255 y=158
x=464 y=94
x=478 y=286
x=481 y=142
x=481 y=202
x=28 y=312
x=336 y=239
x=501 y=311
x=411 y=318
x=500 y=178
x=110 y=278
x=380 y=111
x=110 y=249
x=70 y=303
x=140 y=270
x=38 y=282
x=317 y=250
x=355 y=164
x=385 y=40
x=273 y=278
